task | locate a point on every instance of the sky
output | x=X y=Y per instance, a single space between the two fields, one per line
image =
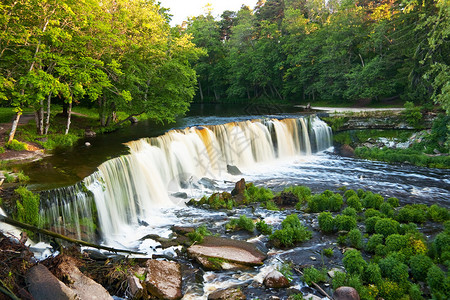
x=183 y=9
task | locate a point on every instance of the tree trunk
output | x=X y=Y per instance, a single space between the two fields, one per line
x=47 y=120
x=69 y=115
x=216 y=95
x=201 y=90
x=14 y=126
x=39 y=116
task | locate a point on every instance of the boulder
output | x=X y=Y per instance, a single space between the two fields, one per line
x=346 y=151
x=286 y=199
x=233 y=170
x=239 y=187
x=346 y=293
x=163 y=279
x=83 y=286
x=226 y=294
x=276 y=280
x=224 y=254
x=312 y=297
x=135 y=289
x=43 y=285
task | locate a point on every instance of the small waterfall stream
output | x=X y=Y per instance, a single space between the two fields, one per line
x=129 y=189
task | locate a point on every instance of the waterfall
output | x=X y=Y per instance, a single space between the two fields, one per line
x=127 y=190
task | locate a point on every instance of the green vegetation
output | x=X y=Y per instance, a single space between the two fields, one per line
x=263 y=227
x=325 y=201
x=311 y=274
x=27 y=207
x=292 y=232
x=302 y=192
x=257 y=194
x=16 y=145
x=243 y=222
x=198 y=234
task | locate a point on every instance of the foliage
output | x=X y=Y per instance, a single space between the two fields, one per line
x=9 y=178
x=198 y=234
x=394 y=202
x=325 y=201
x=412 y=115
x=302 y=192
x=386 y=227
x=370 y=224
x=286 y=270
x=438 y=213
x=243 y=222
x=355 y=203
x=343 y=222
x=412 y=213
x=2 y=150
x=22 y=177
x=373 y=242
x=16 y=145
x=419 y=265
x=349 y=211
x=372 y=274
x=350 y=193
x=438 y=282
x=258 y=194
x=270 y=205
x=355 y=238
x=263 y=227
x=292 y=232
x=311 y=274
x=371 y=212
x=396 y=242
x=27 y=206
x=354 y=263
x=328 y=252
x=387 y=210
x=326 y=222
x=372 y=200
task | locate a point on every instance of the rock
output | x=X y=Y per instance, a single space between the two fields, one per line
x=311 y=297
x=286 y=199
x=83 y=286
x=333 y=272
x=313 y=258
x=87 y=144
x=276 y=280
x=95 y=254
x=42 y=139
x=233 y=170
x=346 y=151
x=226 y=294
x=163 y=279
x=43 y=285
x=182 y=230
x=219 y=253
x=133 y=120
x=207 y=183
x=436 y=151
x=135 y=288
x=239 y=188
x=345 y=293
x=89 y=133
x=180 y=195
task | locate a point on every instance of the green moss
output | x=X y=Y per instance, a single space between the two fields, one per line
x=373 y=242
x=353 y=261
x=311 y=274
x=27 y=206
x=326 y=222
x=16 y=145
x=301 y=192
x=243 y=222
x=386 y=227
x=263 y=227
x=292 y=232
x=198 y=234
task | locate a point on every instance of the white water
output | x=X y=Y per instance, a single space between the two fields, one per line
x=130 y=191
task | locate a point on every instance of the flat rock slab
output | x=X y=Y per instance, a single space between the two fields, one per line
x=227 y=252
x=43 y=285
x=163 y=279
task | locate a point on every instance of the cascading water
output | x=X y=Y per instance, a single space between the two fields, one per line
x=129 y=189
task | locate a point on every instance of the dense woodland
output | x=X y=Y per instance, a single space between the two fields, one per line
x=123 y=56
x=340 y=51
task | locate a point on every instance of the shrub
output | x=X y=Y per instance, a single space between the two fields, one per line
x=353 y=261
x=302 y=192
x=412 y=213
x=198 y=234
x=256 y=194
x=386 y=227
x=311 y=274
x=390 y=290
x=393 y=269
x=372 y=274
x=292 y=232
x=335 y=202
x=361 y=193
x=348 y=211
x=438 y=282
x=373 y=242
x=393 y=202
x=326 y=222
x=325 y=201
x=270 y=205
x=2 y=150
x=286 y=270
x=420 y=264
x=355 y=238
x=441 y=244
x=355 y=203
x=243 y=222
x=343 y=222
x=27 y=206
x=408 y=228
x=16 y=145
x=372 y=200
x=437 y=213
x=371 y=212
x=349 y=194
x=339 y=279
x=387 y=210
x=22 y=177
x=9 y=178
x=415 y=293
x=263 y=227
x=328 y=252
x=60 y=141
x=370 y=224
x=412 y=114
x=396 y=242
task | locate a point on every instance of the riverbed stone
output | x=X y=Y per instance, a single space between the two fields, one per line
x=226 y=294
x=276 y=280
x=83 y=286
x=233 y=170
x=163 y=279
x=43 y=285
x=346 y=293
x=135 y=288
x=347 y=151
x=239 y=187
x=220 y=253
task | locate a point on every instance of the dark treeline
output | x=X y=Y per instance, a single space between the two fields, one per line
x=307 y=50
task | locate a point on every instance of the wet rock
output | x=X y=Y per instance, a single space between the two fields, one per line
x=163 y=279
x=182 y=230
x=346 y=151
x=90 y=133
x=333 y=272
x=207 y=183
x=313 y=258
x=312 y=297
x=87 y=144
x=180 y=195
x=133 y=120
x=346 y=293
x=233 y=170
x=95 y=254
x=276 y=280
x=286 y=200
x=226 y=294
x=43 y=285
x=239 y=187
x=135 y=288
x=83 y=286
x=219 y=253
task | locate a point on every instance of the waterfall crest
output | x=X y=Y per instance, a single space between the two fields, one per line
x=127 y=190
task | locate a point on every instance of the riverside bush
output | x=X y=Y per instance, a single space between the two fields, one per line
x=396 y=242
x=301 y=192
x=198 y=234
x=326 y=222
x=311 y=274
x=419 y=265
x=412 y=213
x=370 y=224
x=387 y=210
x=372 y=274
x=345 y=223
x=16 y=145
x=243 y=222
x=386 y=227
x=257 y=194
x=354 y=203
x=353 y=261
x=373 y=242
x=349 y=211
x=349 y=194
x=441 y=246
x=371 y=212
x=355 y=238
x=438 y=283
x=394 y=269
x=372 y=200
x=394 y=202
x=292 y=232
x=437 y=213
x=263 y=227
x=325 y=201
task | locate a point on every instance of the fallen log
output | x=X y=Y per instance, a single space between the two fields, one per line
x=34 y=229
